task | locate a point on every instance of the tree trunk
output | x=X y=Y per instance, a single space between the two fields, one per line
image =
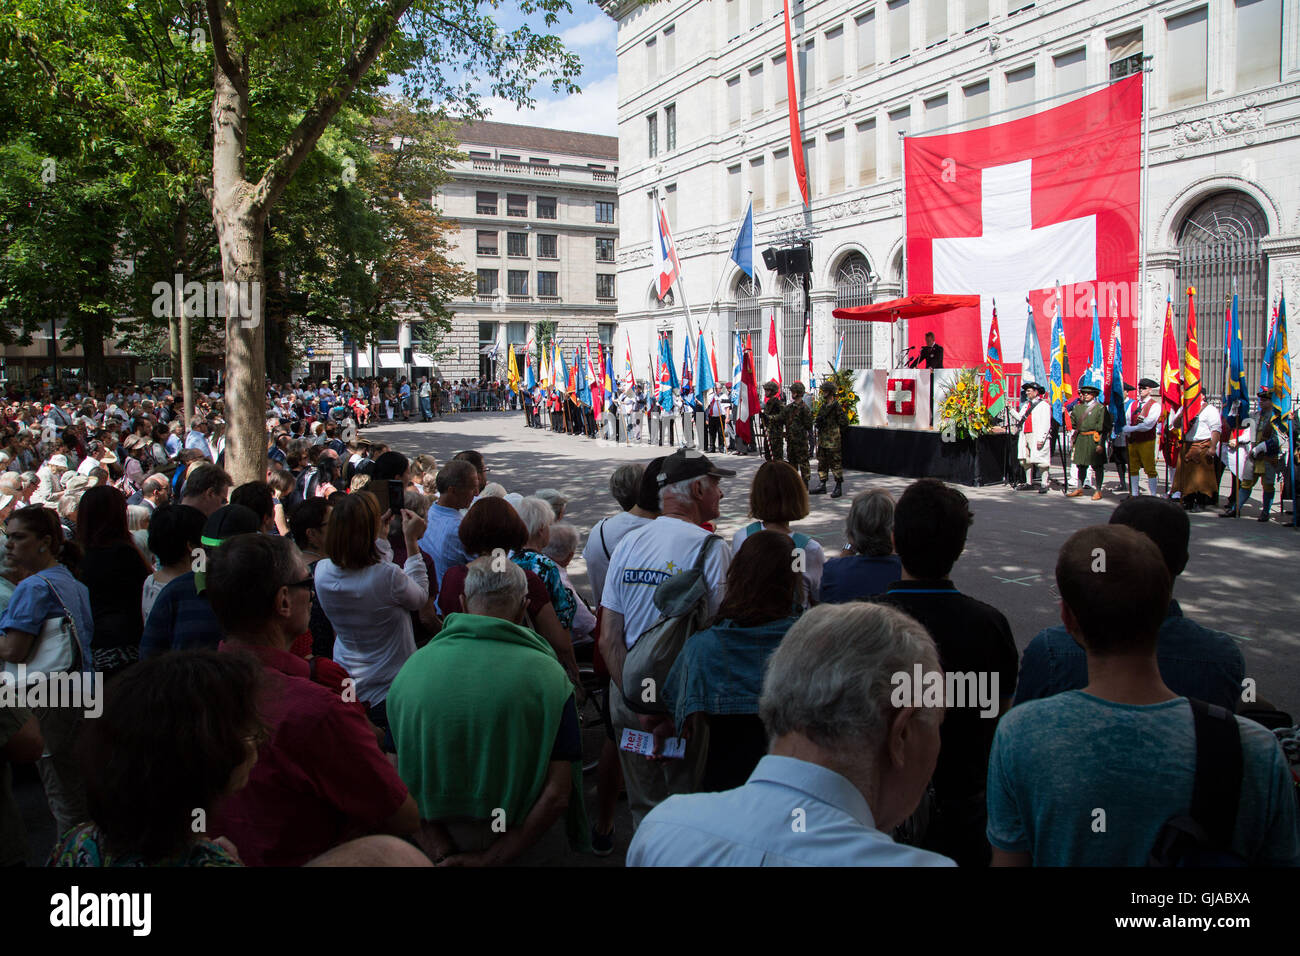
x=239 y=225
x=177 y=311
x=92 y=348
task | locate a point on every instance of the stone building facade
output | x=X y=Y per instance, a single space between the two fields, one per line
x=703 y=119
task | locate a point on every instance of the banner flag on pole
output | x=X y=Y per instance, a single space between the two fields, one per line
x=772 y=358
x=1171 y=388
x=792 y=97
x=530 y=380
x=688 y=390
x=704 y=379
x=1062 y=387
x=839 y=352
x=512 y=371
x=748 y=405
x=629 y=380
x=995 y=399
x=742 y=251
x=1192 y=397
x=805 y=358
x=1116 y=367
x=1032 y=368
x=737 y=370
x=1096 y=374
x=667 y=268
x=1238 y=393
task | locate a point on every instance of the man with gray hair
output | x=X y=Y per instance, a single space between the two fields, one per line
x=869 y=565
x=487 y=732
x=846 y=761
x=689 y=495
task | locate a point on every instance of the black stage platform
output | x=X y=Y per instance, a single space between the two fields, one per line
x=923 y=454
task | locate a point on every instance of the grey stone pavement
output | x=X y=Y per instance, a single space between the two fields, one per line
x=1243 y=576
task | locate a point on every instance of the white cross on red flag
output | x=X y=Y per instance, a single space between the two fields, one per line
x=1009 y=210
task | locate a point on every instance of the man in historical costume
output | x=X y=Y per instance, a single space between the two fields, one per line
x=1141 y=419
x=1265 y=455
x=1089 y=419
x=1034 y=443
x=831 y=422
x=1196 y=481
x=1237 y=455
x=773 y=422
x=1119 y=441
x=798 y=421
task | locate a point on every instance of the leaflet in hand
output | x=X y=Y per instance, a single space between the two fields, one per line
x=638 y=742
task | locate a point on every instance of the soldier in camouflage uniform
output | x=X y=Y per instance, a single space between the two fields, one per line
x=797 y=418
x=773 y=424
x=831 y=420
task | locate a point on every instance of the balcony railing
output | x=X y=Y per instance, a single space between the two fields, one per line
x=538 y=171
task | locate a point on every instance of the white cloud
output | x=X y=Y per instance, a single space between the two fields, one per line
x=594 y=110
x=599 y=31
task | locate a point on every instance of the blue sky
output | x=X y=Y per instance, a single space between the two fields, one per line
x=592 y=35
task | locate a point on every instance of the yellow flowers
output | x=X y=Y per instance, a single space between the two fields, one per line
x=962 y=406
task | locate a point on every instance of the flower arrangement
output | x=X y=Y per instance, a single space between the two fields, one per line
x=962 y=405
x=844 y=393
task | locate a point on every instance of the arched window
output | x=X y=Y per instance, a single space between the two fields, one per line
x=853 y=287
x=793 y=319
x=1218 y=245
x=654 y=302
x=749 y=317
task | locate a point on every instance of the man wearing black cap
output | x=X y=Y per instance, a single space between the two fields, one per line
x=1033 y=445
x=690 y=492
x=1140 y=433
x=1089 y=418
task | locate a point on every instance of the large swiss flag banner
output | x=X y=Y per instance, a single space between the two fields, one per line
x=1008 y=211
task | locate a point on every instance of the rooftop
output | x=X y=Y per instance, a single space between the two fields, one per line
x=487 y=133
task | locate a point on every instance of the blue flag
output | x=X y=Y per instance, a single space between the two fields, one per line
x=530 y=380
x=1096 y=374
x=1117 y=381
x=688 y=390
x=703 y=368
x=736 y=370
x=584 y=386
x=666 y=360
x=1031 y=365
x=1062 y=387
x=742 y=252
x=1237 y=391
x=1281 y=365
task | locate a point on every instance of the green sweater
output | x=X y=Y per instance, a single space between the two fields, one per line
x=475 y=713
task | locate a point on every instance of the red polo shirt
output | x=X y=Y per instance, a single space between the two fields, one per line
x=319 y=780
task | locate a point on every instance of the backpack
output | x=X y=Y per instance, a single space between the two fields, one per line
x=683 y=602
x=1203 y=836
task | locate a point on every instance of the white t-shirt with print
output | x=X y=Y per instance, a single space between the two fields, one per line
x=606 y=534
x=651 y=554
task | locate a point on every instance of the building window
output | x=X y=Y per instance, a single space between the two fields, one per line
x=756 y=176
x=866 y=25
x=517 y=282
x=1185 y=71
x=756 y=90
x=546 y=247
x=516 y=205
x=977 y=15
x=487 y=281
x=604 y=211
x=1259 y=43
x=936 y=112
x=733 y=192
x=605 y=332
x=781 y=177
x=517 y=245
x=479 y=154
x=781 y=83
x=652 y=135
x=487 y=243
x=651 y=60
x=517 y=335
x=604 y=249
x=866 y=145
x=670 y=49
x=1125 y=53
x=898 y=123
x=485 y=204
x=733 y=101
x=1071 y=70
x=547 y=283
x=670 y=203
x=505 y=158
x=900 y=35
x=807 y=68
x=936 y=22
x=835 y=162
x=487 y=338
x=545 y=207
x=976 y=102
x=733 y=19
x=670 y=127
x=604 y=286
x=810 y=167
x=834 y=54
x=1020 y=91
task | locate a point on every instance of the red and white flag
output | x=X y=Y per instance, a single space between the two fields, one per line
x=667 y=269
x=772 y=361
x=1009 y=210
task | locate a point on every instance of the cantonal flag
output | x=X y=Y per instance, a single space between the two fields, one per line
x=995 y=398
x=1009 y=210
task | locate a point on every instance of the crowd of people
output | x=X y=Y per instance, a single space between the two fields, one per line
x=371 y=659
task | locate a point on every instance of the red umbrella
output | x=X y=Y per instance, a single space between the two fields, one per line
x=908 y=307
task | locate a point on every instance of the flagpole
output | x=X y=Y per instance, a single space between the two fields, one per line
x=723 y=272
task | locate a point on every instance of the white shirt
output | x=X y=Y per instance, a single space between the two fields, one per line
x=370 y=610
x=650 y=555
x=1207 y=422
x=597 y=558
x=814 y=557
